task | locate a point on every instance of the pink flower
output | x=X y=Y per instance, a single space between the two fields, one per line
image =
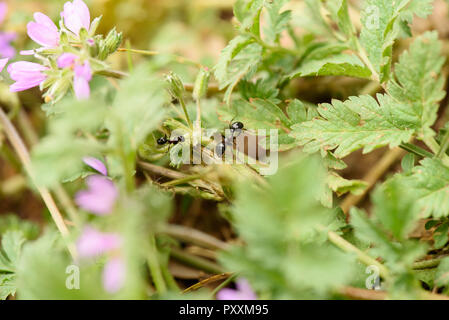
x=3 y=63
x=83 y=74
x=100 y=196
x=67 y=60
x=96 y=164
x=93 y=243
x=6 y=50
x=76 y=16
x=243 y=292
x=26 y=74
x=43 y=31
x=114 y=274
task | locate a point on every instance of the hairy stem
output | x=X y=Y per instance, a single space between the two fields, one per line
x=24 y=157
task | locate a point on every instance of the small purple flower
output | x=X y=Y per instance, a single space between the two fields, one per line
x=67 y=60
x=114 y=274
x=3 y=63
x=76 y=16
x=26 y=74
x=6 y=50
x=96 y=164
x=43 y=31
x=100 y=196
x=83 y=74
x=243 y=292
x=93 y=243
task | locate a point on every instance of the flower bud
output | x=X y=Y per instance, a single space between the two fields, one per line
x=175 y=86
x=110 y=44
x=201 y=84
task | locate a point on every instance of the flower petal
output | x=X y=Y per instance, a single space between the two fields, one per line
x=93 y=243
x=83 y=13
x=96 y=164
x=76 y=16
x=114 y=274
x=100 y=196
x=42 y=34
x=66 y=60
x=46 y=21
x=81 y=88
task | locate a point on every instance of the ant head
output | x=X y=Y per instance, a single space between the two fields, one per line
x=236 y=125
x=162 y=140
x=181 y=139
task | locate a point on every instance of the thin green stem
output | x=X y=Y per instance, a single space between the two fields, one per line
x=155 y=268
x=130 y=60
x=177 y=58
x=416 y=150
x=444 y=145
x=186 y=114
x=362 y=256
x=223 y=284
x=435 y=147
x=195 y=262
x=182 y=180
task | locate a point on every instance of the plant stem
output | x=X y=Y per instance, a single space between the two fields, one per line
x=184 y=108
x=61 y=195
x=224 y=284
x=416 y=150
x=212 y=279
x=444 y=145
x=361 y=53
x=194 y=236
x=435 y=147
x=182 y=180
x=171 y=282
x=196 y=262
x=24 y=157
x=176 y=57
x=155 y=269
x=362 y=256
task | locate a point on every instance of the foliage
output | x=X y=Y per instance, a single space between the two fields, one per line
x=293 y=234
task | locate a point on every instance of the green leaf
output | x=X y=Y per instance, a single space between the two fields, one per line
x=11 y=222
x=340 y=14
x=395 y=208
x=7 y=285
x=138 y=107
x=12 y=242
x=442 y=275
x=429 y=183
x=282 y=222
x=239 y=57
x=337 y=65
x=418 y=79
x=341 y=185
x=360 y=122
x=381 y=22
x=408 y=109
x=247 y=12
x=277 y=21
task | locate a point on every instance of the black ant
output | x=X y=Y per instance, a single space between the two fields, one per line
x=233 y=127
x=163 y=140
